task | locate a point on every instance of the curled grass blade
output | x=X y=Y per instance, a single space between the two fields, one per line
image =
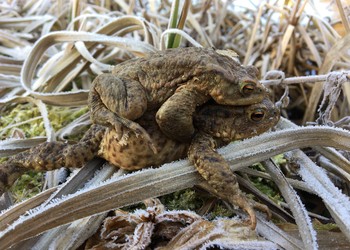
x=306 y=230
x=77 y=97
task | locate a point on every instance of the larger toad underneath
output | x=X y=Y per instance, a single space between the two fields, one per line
x=174 y=82
x=216 y=125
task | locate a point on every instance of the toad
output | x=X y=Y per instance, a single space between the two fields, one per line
x=174 y=82
x=215 y=126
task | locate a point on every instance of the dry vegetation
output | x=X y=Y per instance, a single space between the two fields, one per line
x=50 y=51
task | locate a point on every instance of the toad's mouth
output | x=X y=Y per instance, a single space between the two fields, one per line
x=226 y=135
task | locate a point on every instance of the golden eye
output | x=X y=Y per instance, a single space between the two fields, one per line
x=247 y=87
x=258 y=115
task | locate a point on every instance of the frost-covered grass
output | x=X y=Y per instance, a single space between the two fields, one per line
x=50 y=52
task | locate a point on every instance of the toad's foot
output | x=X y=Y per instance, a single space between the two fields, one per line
x=122 y=126
x=248 y=206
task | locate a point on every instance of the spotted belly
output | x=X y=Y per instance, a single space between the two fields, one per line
x=133 y=153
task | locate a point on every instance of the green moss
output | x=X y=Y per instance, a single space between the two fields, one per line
x=219 y=210
x=3 y=159
x=325 y=227
x=279 y=159
x=266 y=186
x=189 y=199
x=269 y=188
x=59 y=117
x=28 y=185
x=21 y=113
x=186 y=199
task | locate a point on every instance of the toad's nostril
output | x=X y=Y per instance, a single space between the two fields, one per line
x=276 y=112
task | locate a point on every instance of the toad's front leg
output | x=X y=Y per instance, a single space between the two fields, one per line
x=117 y=102
x=217 y=172
x=175 y=116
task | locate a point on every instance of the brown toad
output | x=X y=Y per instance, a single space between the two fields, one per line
x=174 y=82
x=216 y=125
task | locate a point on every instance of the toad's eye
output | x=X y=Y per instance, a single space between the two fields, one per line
x=257 y=115
x=247 y=87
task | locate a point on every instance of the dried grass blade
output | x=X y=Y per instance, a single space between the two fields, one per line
x=332 y=168
x=46 y=22
x=79 y=179
x=115 y=27
x=301 y=79
x=306 y=230
x=123 y=5
x=221 y=8
x=253 y=35
x=337 y=203
x=328 y=34
x=84 y=52
x=270 y=144
x=71 y=58
x=75 y=12
x=283 y=45
x=73 y=235
x=22 y=22
x=76 y=97
x=310 y=44
x=292 y=55
x=273 y=233
x=74 y=127
x=9 y=81
x=200 y=30
x=9 y=216
x=275 y=209
x=335 y=157
x=10 y=40
x=301 y=10
x=293 y=15
x=343 y=16
x=329 y=153
x=10 y=69
x=334 y=54
x=346 y=91
x=10 y=60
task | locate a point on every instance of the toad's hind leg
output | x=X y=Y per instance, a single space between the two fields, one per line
x=217 y=172
x=117 y=102
x=123 y=97
x=50 y=156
